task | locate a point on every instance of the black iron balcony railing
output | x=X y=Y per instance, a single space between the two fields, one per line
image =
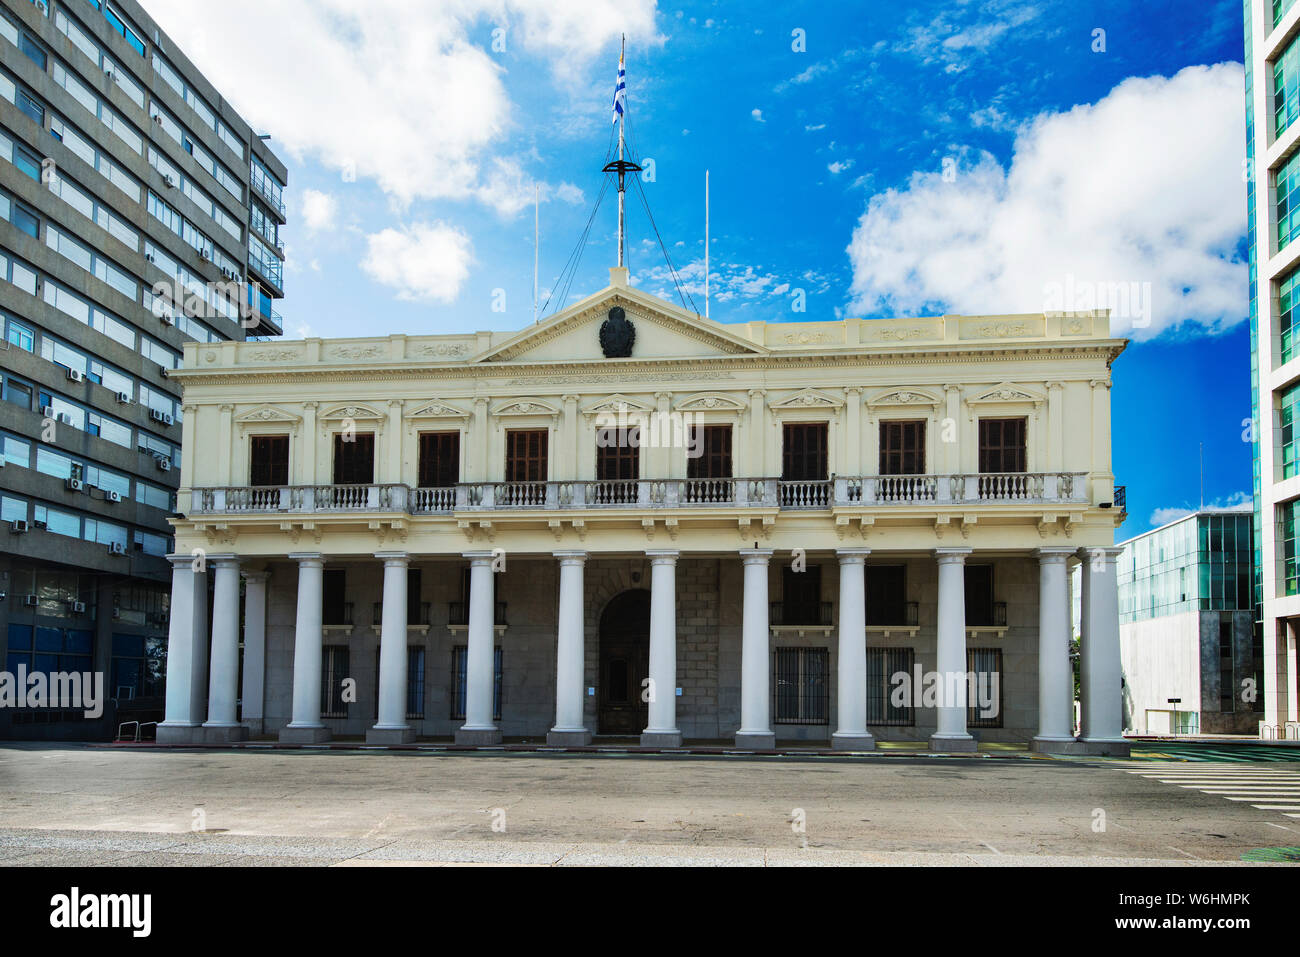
x=799 y=613
x=994 y=616
x=905 y=615
x=458 y=613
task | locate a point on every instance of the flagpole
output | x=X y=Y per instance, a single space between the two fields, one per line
x=537 y=238
x=706 y=244
x=621 y=53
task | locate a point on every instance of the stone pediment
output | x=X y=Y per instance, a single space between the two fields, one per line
x=438 y=410
x=356 y=413
x=662 y=331
x=1005 y=392
x=267 y=414
x=615 y=404
x=903 y=397
x=809 y=399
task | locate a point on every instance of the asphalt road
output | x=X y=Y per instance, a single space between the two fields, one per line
x=87 y=805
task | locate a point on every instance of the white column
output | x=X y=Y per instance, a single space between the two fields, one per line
x=755 y=695
x=851 y=733
x=479 y=728
x=254 y=690
x=662 y=729
x=951 y=659
x=223 y=677
x=308 y=638
x=569 y=655
x=1101 y=695
x=181 y=716
x=391 y=728
x=1055 y=679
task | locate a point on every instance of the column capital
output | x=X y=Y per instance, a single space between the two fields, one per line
x=1052 y=555
x=570 y=557
x=181 y=558
x=222 y=559
x=481 y=557
x=1091 y=552
x=952 y=555
x=306 y=558
x=852 y=556
x=663 y=556
x=756 y=556
x=256 y=576
x=394 y=558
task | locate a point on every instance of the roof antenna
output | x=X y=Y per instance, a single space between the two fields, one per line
x=706 y=244
x=1202 y=476
x=537 y=237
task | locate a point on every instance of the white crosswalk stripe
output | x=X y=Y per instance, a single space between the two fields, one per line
x=1265 y=788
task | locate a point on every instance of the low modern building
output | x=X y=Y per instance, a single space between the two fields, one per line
x=631 y=520
x=1192 y=658
x=138 y=212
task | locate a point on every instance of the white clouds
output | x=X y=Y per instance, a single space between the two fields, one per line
x=426 y=261
x=1141 y=187
x=395 y=87
x=318 y=210
x=758 y=115
x=838 y=167
x=1237 y=501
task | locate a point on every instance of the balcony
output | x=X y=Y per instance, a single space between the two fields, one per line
x=458 y=614
x=878 y=491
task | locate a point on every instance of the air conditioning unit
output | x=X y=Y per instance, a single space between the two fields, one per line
x=168 y=419
x=169 y=180
x=124 y=398
x=116 y=548
x=76 y=375
x=40 y=5
x=203 y=254
x=64 y=418
x=30 y=601
x=111 y=496
x=156 y=414
x=164 y=465
x=78 y=607
x=167 y=320
x=48 y=411
x=38 y=523
x=18 y=525
x=74 y=485
x=148 y=257
x=157 y=118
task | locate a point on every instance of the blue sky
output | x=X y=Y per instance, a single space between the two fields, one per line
x=910 y=158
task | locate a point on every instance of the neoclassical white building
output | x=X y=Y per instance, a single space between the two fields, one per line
x=629 y=520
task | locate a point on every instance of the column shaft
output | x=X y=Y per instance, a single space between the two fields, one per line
x=755 y=652
x=254 y=688
x=479 y=727
x=223 y=684
x=179 y=718
x=951 y=734
x=662 y=727
x=569 y=655
x=391 y=728
x=1055 y=680
x=308 y=640
x=1100 y=677
x=851 y=733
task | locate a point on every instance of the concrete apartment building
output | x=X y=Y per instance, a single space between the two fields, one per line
x=631 y=520
x=138 y=212
x=1191 y=660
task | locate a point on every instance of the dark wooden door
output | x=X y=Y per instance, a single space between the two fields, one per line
x=624 y=663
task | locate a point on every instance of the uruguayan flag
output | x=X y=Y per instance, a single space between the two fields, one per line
x=620 y=89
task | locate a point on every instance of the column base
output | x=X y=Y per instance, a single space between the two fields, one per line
x=179 y=734
x=1046 y=744
x=956 y=742
x=317 y=735
x=1107 y=747
x=223 y=733
x=853 y=741
x=478 y=737
x=568 y=739
x=661 y=739
x=756 y=740
x=390 y=735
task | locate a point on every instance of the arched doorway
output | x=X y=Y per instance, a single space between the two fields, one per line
x=624 y=663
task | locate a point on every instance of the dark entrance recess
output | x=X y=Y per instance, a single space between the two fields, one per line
x=624 y=663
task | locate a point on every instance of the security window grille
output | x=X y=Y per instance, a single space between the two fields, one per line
x=439 y=459
x=883 y=664
x=354 y=458
x=333 y=672
x=984 y=663
x=414 y=683
x=804 y=452
x=526 y=459
x=459 y=666
x=979 y=595
x=886 y=595
x=713 y=443
x=269 y=460
x=334 y=610
x=1002 y=445
x=801 y=596
x=799 y=682
x=902 y=448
